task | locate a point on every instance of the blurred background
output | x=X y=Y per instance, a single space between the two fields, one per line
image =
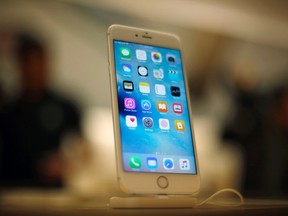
x=55 y=111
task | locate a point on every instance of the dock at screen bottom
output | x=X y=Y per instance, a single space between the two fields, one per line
x=159 y=163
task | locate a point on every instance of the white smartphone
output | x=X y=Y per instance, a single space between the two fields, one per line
x=154 y=138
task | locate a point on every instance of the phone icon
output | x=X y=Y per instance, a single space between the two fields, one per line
x=152 y=163
x=184 y=164
x=128 y=85
x=141 y=55
x=147 y=122
x=168 y=163
x=177 y=108
x=156 y=57
x=129 y=103
x=144 y=87
x=131 y=121
x=175 y=91
x=162 y=106
x=142 y=71
x=125 y=52
x=160 y=89
x=164 y=124
x=135 y=162
x=179 y=125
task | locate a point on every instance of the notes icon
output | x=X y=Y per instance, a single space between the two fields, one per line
x=144 y=87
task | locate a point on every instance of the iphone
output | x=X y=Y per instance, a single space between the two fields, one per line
x=154 y=138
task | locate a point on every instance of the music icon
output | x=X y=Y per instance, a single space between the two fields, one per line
x=129 y=103
x=184 y=164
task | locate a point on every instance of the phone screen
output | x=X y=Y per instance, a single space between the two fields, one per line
x=155 y=129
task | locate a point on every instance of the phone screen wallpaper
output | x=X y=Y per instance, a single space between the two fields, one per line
x=155 y=129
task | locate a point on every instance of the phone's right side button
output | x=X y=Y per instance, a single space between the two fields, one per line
x=162 y=182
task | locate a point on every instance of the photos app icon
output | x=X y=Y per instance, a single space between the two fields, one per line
x=156 y=57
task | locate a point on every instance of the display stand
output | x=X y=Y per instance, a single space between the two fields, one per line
x=159 y=201
x=171 y=201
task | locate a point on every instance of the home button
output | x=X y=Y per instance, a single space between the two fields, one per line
x=162 y=182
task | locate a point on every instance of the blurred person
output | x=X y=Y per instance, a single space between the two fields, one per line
x=33 y=126
x=259 y=128
x=245 y=130
x=275 y=141
x=5 y=46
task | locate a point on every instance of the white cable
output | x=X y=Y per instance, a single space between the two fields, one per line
x=223 y=204
x=164 y=201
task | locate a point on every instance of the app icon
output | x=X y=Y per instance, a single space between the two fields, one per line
x=160 y=89
x=126 y=68
x=168 y=163
x=179 y=125
x=146 y=104
x=135 y=162
x=131 y=121
x=142 y=71
x=162 y=106
x=156 y=57
x=175 y=91
x=125 y=52
x=177 y=108
x=141 y=55
x=158 y=73
x=129 y=103
x=184 y=164
x=164 y=124
x=128 y=85
x=173 y=74
x=147 y=122
x=144 y=87
x=152 y=163
x=171 y=58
